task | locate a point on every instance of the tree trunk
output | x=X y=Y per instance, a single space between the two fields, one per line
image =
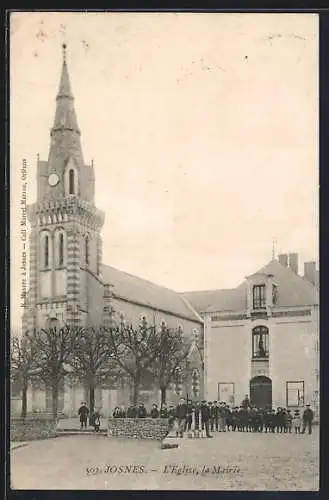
x=54 y=400
x=163 y=395
x=24 y=400
x=91 y=403
x=136 y=391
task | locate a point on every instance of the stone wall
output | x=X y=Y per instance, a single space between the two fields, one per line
x=32 y=428
x=138 y=428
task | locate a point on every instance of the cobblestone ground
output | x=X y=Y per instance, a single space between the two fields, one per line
x=229 y=461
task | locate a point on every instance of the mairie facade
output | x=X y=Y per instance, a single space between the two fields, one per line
x=262 y=338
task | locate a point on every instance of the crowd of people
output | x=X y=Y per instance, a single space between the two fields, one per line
x=214 y=416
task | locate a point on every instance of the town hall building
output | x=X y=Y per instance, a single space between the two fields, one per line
x=260 y=339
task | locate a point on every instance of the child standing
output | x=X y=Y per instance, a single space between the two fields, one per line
x=296 y=422
x=289 y=420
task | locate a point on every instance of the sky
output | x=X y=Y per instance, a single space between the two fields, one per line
x=203 y=129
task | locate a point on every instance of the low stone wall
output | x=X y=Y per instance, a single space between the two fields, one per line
x=138 y=428
x=31 y=428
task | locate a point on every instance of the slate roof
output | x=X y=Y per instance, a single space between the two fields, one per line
x=144 y=292
x=293 y=291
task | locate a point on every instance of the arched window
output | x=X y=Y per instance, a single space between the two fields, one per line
x=71 y=181
x=61 y=250
x=260 y=342
x=46 y=251
x=87 y=250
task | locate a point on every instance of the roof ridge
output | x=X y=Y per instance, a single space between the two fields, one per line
x=143 y=279
x=209 y=290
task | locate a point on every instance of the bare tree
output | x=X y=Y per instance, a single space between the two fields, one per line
x=135 y=350
x=55 y=346
x=174 y=350
x=22 y=365
x=92 y=360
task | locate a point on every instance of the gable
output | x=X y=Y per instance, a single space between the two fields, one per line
x=293 y=291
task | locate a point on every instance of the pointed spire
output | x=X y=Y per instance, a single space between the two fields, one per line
x=65 y=117
x=65 y=133
x=64 y=86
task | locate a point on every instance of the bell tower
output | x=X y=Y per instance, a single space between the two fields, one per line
x=65 y=241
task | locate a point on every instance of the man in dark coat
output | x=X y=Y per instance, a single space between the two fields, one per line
x=308 y=416
x=205 y=417
x=83 y=412
x=141 y=411
x=154 y=412
x=181 y=412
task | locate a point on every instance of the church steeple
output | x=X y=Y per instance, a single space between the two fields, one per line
x=65 y=133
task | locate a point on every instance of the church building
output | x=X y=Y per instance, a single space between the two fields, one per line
x=69 y=283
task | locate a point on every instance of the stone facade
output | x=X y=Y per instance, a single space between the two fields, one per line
x=138 y=428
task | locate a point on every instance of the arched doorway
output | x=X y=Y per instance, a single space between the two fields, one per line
x=261 y=392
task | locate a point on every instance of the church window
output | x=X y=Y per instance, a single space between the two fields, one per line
x=260 y=342
x=87 y=250
x=71 y=181
x=259 y=297
x=61 y=250
x=46 y=251
x=195 y=382
x=295 y=393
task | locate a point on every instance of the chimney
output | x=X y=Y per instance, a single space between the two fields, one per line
x=310 y=271
x=293 y=262
x=283 y=259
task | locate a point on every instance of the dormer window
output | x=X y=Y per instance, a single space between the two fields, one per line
x=259 y=297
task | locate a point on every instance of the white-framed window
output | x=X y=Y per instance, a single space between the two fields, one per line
x=295 y=393
x=226 y=392
x=260 y=342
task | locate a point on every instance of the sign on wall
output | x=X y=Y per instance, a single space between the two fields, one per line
x=226 y=392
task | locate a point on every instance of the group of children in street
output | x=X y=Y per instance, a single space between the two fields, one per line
x=213 y=416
